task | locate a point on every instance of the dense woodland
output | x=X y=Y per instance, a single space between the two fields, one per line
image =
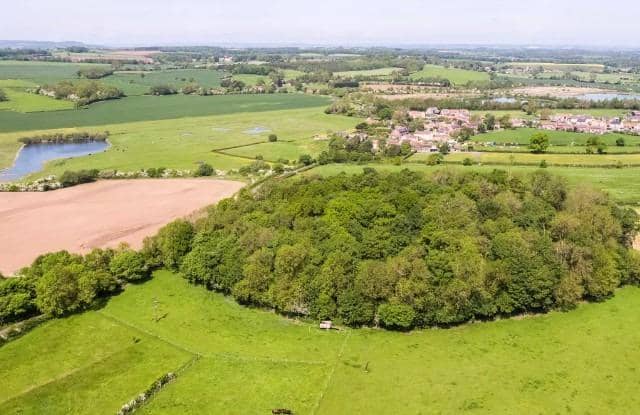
x=399 y=250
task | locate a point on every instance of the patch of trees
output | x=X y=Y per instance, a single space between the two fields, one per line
x=58 y=138
x=94 y=73
x=83 y=92
x=252 y=69
x=403 y=250
x=162 y=90
x=60 y=283
x=539 y=142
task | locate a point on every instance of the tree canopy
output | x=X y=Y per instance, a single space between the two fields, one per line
x=404 y=250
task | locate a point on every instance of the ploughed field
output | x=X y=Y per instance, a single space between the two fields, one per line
x=233 y=360
x=102 y=214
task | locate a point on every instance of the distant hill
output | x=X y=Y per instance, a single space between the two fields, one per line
x=36 y=44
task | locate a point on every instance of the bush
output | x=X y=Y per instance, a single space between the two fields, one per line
x=306 y=160
x=396 y=316
x=539 y=142
x=3 y=96
x=204 y=170
x=467 y=162
x=543 y=164
x=72 y=178
x=273 y=138
x=162 y=90
x=620 y=142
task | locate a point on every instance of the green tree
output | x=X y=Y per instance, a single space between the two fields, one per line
x=539 y=142
x=396 y=316
x=204 y=170
x=273 y=138
x=129 y=265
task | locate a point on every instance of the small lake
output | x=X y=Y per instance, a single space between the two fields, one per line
x=33 y=157
x=505 y=100
x=607 y=97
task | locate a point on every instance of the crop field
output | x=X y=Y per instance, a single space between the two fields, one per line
x=455 y=75
x=43 y=72
x=368 y=72
x=223 y=353
x=621 y=184
x=138 y=83
x=147 y=108
x=523 y=135
x=182 y=143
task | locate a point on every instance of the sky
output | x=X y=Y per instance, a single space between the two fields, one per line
x=612 y=23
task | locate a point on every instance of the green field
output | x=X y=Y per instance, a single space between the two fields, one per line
x=551 y=66
x=456 y=76
x=22 y=101
x=224 y=353
x=523 y=135
x=182 y=143
x=147 y=108
x=138 y=83
x=622 y=184
x=43 y=72
x=569 y=160
x=367 y=72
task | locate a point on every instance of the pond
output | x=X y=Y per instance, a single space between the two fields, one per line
x=33 y=157
x=504 y=100
x=607 y=96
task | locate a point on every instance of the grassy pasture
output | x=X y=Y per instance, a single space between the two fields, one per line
x=184 y=142
x=558 y=138
x=147 y=108
x=250 y=361
x=22 y=101
x=455 y=75
x=569 y=160
x=595 y=112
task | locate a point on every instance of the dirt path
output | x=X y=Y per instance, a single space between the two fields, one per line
x=101 y=214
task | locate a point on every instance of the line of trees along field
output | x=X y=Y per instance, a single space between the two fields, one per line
x=399 y=250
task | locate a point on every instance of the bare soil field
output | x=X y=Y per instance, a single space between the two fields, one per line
x=97 y=215
x=557 y=91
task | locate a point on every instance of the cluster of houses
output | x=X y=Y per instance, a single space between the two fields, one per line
x=442 y=126
x=593 y=125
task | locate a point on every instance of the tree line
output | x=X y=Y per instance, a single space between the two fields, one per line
x=398 y=250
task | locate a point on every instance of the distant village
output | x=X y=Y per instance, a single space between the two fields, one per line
x=442 y=126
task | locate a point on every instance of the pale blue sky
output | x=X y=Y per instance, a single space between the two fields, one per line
x=338 y=22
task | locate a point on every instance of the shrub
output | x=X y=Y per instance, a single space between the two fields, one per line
x=396 y=316
x=467 y=161
x=539 y=142
x=72 y=178
x=306 y=160
x=162 y=90
x=204 y=170
x=273 y=138
x=3 y=96
x=620 y=142
x=543 y=164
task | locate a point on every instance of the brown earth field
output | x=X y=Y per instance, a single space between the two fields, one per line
x=97 y=215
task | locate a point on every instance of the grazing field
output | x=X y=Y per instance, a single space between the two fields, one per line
x=622 y=184
x=182 y=143
x=563 y=67
x=367 y=72
x=568 y=160
x=457 y=76
x=147 y=108
x=21 y=101
x=138 y=83
x=102 y=214
x=523 y=135
x=575 y=362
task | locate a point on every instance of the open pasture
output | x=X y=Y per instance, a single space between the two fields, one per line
x=557 y=138
x=457 y=76
x=567 y=160
x=552 y=66
x=147 y=108
x=182 y=143
x=223 y=353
